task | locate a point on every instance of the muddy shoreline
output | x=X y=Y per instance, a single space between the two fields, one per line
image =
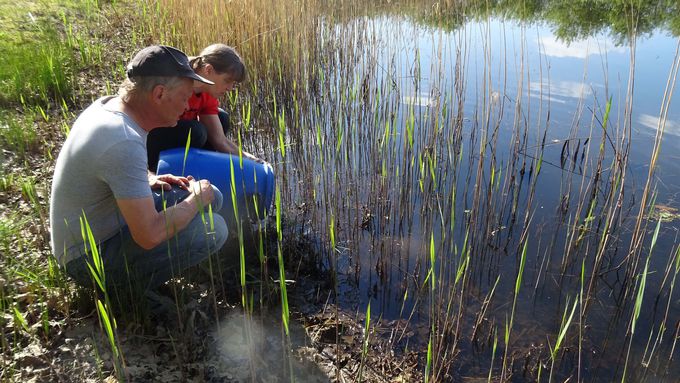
x=210 y=338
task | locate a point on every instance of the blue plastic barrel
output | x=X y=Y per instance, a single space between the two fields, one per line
x=253 y=182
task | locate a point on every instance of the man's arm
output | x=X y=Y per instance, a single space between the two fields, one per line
x=149 y=228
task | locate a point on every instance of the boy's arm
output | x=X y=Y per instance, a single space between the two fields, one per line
x=218 y=140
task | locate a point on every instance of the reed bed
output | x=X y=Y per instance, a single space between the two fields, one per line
x=421 y=165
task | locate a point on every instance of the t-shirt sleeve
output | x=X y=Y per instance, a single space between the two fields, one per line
x=209 y=104
x=123 y=168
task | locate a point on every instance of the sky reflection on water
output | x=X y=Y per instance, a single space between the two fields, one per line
x=518 y=84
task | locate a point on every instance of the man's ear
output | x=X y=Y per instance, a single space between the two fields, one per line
x=157 y=93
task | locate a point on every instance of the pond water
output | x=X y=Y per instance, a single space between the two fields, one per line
x=427 y=161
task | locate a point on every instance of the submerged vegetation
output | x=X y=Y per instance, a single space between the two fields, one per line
x=457 y=207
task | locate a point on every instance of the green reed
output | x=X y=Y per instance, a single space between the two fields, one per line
x=239 y=228
x=106 y=317
x=635 y=315
x=509 y=325
x=187 y=145
x=564 y=327
x=493 y=356
x=365 y=342
x=673 y=267
x=432 y=277
x=285 y=310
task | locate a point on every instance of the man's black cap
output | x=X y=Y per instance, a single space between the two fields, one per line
x=161 y=60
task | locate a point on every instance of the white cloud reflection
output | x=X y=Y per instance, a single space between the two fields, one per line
x=565 y=89
x=418 y=100
x=552 y=47
x=544 y=97
x=652 y=122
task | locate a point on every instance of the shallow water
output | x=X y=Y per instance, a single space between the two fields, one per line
x=418 y=140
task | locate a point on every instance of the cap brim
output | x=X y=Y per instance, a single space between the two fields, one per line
x=199 y=78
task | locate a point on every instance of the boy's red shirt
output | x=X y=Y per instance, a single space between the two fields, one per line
x=200 y=103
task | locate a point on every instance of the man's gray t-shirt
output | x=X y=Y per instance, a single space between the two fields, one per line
x=103 y=159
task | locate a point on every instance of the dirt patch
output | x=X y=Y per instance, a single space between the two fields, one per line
x=207 y=336
x=210 y=340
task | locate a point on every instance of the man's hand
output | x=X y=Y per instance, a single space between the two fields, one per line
x=202 y=190
x=148 y=227
x=166 y=181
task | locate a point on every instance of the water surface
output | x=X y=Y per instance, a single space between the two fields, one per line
x=462 y=145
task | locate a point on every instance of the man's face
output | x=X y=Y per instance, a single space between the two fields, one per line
x=175 y=101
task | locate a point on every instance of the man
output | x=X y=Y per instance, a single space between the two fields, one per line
x=146 y=228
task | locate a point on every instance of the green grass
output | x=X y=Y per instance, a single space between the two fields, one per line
x=36 y=69
x=28 y=283
x=18 y=131
x=34 y=63
x=45 y=44
x=10 y=230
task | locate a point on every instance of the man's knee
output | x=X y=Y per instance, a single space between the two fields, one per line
x=221 y=231
x=218 y=199
x=209 y=232
x=167 y=198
